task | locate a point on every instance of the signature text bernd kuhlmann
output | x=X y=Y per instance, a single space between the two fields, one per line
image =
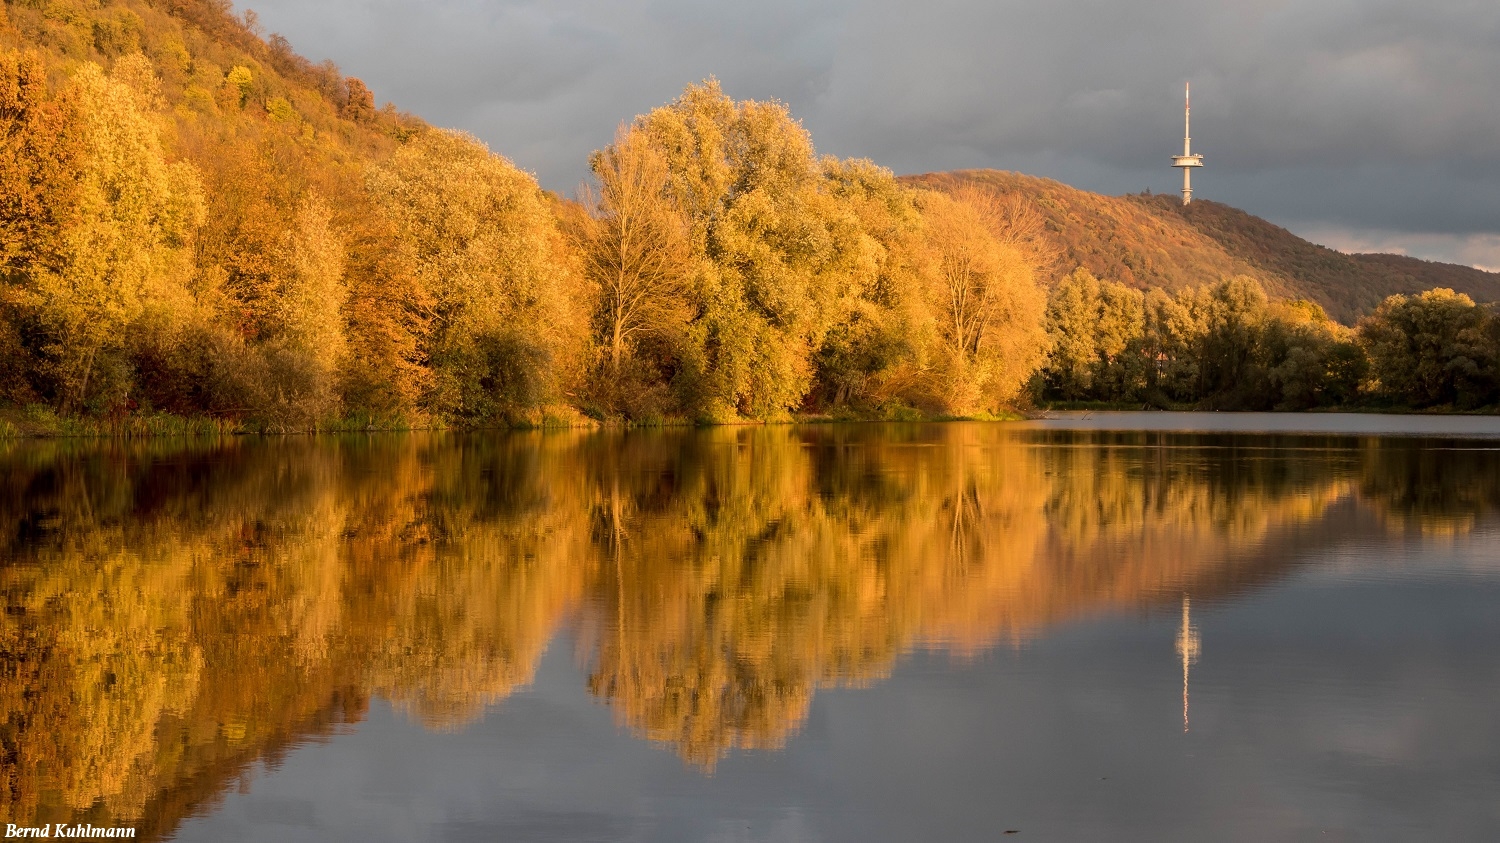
x=66 y=830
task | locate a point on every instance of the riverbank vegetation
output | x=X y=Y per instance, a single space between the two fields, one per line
x=1230 y=347
x=198 y=224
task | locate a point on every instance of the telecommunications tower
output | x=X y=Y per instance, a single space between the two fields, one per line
x=1187 y=160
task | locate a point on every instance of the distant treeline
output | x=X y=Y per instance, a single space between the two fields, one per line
x=194 y=220
x=1229 y=347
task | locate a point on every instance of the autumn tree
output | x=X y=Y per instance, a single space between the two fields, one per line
x=878 y=348
x=39 y=162
x=1233 y=313
x=1169 y=335
x=360 y=107
x=988 y=306
x=103 y=306
x=636 y=250
x=1307 y=359
x=1072 y=315
x=136 y=217
x=772 y=261
x=1431 y=349
x=307 y=346
x=388 y=315
x=1225 y=346
x=1120 y=331
x=482 y=243
x=39 y=186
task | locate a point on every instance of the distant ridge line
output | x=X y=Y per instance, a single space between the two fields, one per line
x=1154 y=240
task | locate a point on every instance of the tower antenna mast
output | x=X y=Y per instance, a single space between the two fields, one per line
x=1187 y=160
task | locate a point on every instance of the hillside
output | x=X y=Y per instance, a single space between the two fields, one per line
x=1154 y=241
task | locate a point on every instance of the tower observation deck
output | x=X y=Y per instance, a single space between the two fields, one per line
x=1187 y=160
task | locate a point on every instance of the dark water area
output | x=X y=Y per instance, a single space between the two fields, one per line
x=1238 y=628
x=1338 y=424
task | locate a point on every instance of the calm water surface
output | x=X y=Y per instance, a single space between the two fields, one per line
x=1223 y=627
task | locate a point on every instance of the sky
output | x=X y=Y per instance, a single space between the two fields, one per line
x=1365 y=125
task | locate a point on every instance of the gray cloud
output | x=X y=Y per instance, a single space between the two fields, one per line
x=1323 y=115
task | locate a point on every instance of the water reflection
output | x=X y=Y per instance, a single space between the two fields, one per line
x=1189 y=646
x=177 y=612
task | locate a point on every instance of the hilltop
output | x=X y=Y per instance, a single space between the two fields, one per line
x=1148 y=240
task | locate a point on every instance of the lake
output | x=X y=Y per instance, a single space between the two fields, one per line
x=1122 y=627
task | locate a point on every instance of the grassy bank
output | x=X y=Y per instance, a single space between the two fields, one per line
x=41 y=422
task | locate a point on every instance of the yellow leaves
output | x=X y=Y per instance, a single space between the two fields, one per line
x=200 y=99
x=119 y=33
x=691 y=133
x=360 y=106
x=808 y=263
x=184 y=211
x=72 y=12
x=989 y=308
x=239 y=84
x=635 y=251
x=311 y=299
x=138 y=202
x=482 y=242
x=172 y=53
x=39 y=163
x=134 y=215
x=744 y=176
x=1433 y=348
x=281 y=111
x=136 y=73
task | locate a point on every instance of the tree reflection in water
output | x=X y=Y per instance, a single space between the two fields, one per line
x=177 y=611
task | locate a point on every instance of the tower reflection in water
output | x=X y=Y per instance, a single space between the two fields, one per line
x=1188 y=647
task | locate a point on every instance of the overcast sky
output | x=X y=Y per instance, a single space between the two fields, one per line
x=1364 y=124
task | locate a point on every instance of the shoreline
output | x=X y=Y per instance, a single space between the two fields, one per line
x=17 y=424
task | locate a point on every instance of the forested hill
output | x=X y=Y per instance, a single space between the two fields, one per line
x=1148 y=241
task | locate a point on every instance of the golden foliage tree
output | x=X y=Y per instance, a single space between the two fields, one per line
x=39 y=164
x=360 y=106
x=483 y=244
x=772 y=261
x=987 y=303
x=136 y=217
x=635 y=250
x=880 y=341
x=1434 y=348
x=39 y=185
x=307 y=344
